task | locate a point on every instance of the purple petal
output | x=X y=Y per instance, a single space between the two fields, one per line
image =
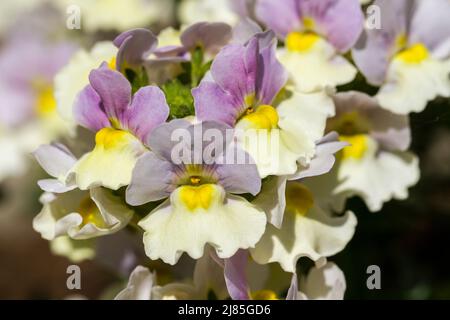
x=151 y=180
x=134 y=46
x=148 y=109
x=293 y=289
x=235 y=277
x=280 y=16
x=162 y=140
x=431 y=25
x=271 y=75
x=88 y=111
x=214 y=104
x=211 y=36
x=114 y=91
x=239 y=178
x=244 y=30
x=340 y=21
x=389 y=129
x=375 y=47
x=234 y=70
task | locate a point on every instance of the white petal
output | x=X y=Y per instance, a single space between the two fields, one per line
x=317 y=235
x=409 y=87
x=371 y=176
x=59 y=215
x=139 y=285
x=228 y=224
x=71 y=79
x=317 y=68
x=108 y=167
x=326 y=283
x=272 y=199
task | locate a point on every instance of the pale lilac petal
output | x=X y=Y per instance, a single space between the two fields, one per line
x=55 y=159
x=88 y=110
x=271 y=75
x=151 y=180
x=244 y=30
x=235 y=277
x=210 y=36
x=340 y=21
x=293 y=288
x=147 y=110
x=431 y=25
x=134 y=47
x=391 y=130
x=282 y=16
x=375 y=47
x=113 y=89
x=162 y=140
x=239 y=178
x=234 y=70
x=213 y=103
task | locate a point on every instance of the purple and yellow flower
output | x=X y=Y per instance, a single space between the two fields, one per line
x=241 y=91
x=200 y=204
x=68 y=211
x=28 y=115
x=326 y=282
x=378 y=140
x=409 y=56
x=315 y=33
x=122 y=122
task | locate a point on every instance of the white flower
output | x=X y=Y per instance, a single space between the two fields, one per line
x=72 y=78
x=307 y=230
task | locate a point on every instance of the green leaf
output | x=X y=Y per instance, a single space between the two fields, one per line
x=179 y=99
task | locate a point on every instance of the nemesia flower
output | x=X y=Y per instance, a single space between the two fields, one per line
x=207 y=278
x=379 y=140
x=105 y=15
x=240 y=91
x=315 y=33
x=139 y=48
x=74 y=76
x=81 y=214
x=122 y=122
x=308 y=229
x=28 y=114
x=200 y=206
x=409 y=56
x=321 y=283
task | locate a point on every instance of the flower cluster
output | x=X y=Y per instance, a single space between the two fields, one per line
x=238 y=146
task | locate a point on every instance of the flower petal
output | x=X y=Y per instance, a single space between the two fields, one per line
x=113 y=89
x=317 y=68
x=409 y=87
x=229 y=223
x=139 y=285
x=235 y=278
x=55 y=159
x=316 y=234
x=147 y=110
x=151 y=180
x=88 y=110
